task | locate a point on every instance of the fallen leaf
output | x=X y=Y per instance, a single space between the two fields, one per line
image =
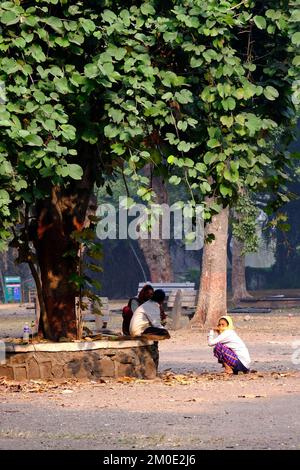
x=125 y=379
x=252 y=396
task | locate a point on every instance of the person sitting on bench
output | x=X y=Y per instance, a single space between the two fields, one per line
x=146 y=320
x=133 y=303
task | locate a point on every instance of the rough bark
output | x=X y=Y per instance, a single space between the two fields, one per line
x=212 y=301
x=58 y=253
x=56 y=222
x=157 y=252
x=238 y=276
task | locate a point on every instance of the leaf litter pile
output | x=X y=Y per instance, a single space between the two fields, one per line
x=170 y=378
x=167 y=377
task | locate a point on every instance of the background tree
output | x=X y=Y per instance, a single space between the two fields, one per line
x=245 y=240
x=215 y=68
x=247 y=66
x=157 y=251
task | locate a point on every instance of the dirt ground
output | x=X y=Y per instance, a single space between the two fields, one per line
x=190 y=405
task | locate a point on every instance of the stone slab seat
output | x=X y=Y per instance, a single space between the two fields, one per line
x=121 y=342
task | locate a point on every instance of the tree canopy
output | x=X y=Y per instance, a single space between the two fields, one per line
x=205 y=91
x=211 y=79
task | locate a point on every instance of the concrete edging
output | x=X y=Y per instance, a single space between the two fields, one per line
x=75 y=346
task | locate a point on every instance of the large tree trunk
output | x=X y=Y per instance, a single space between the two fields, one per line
x=238 y=275
x=57 y=255
x=212 y=302
x=58 y=252
x=58 y=293
x=157 y=252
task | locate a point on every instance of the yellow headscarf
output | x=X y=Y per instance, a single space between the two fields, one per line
x=229 y=321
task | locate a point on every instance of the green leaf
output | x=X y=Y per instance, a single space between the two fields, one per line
x=228 y=104
x=271 y=93
x=184 y=146
x=205 y=187
x=88 y=25
x=39 y=96
x=184 y=96
x=9 y=18
x=20 y=184
x=225 y=190
x=295 y=17
x=62 y=42
x=117 y=52
x=37 y=53
x=49 y=125
x=296 y=61
x=170 y=36
x=147 y=9
x=109 y=16
x=253 y=123
x=201 y=167
x=196 y=62
x=296 y=38
x=119 y=149
x=62 y=85
x=68 y=131
x=172 y=159
x=34 y=140
x=91 y=70
x=175 y=180
x=4 y=197
x=230 y=175
x=55 y=23
x=231 y=103
x=106 y=68
x=213 y=143
x=111 y=131
x=75 y=171
x=226 y=121
x=260 y=22
x=116 y=114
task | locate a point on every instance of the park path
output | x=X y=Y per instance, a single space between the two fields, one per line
x=189 y=406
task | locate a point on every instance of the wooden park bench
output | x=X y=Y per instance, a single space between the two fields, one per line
x=180 y=298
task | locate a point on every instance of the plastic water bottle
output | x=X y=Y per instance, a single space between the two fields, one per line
x=26 y=332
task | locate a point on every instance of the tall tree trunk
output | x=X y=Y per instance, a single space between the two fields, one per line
x=157 y=252
x=238 y=275
x=212 y=302
x=58 y=253
x=58 y=260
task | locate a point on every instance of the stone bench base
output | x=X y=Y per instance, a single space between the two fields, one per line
x=82 y=360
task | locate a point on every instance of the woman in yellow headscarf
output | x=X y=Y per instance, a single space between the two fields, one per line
x=229 y=349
